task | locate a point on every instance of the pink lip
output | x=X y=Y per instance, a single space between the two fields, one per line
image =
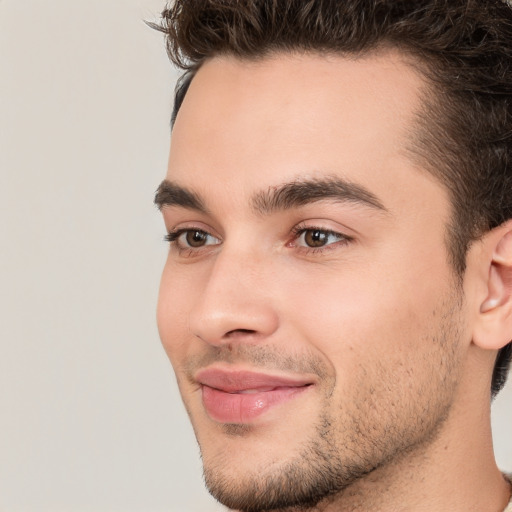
x=243 y=396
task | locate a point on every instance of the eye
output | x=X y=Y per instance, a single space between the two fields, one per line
x=191 y=238
x=194 y=238
x=317 y=238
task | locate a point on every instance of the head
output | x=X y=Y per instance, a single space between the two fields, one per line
x=304 y=131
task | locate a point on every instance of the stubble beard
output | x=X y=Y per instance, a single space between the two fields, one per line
x=319 y=474
x=300 y=484
x=343 y=450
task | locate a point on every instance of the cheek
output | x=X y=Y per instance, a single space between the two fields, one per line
x=354 y=313
x=391 y=346
x=174 y=301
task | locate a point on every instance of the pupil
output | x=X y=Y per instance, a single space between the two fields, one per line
x=196 y=238
x=316 y=238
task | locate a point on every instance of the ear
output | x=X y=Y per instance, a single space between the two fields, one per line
x=493 y=329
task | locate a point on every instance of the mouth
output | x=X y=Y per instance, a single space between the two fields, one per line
x=239 y=397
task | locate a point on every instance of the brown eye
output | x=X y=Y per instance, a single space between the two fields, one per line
x=191 y=239
x=195 y=238
x=315 y=238
x=318 y=238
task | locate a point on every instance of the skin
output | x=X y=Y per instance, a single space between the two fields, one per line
x=397 y=416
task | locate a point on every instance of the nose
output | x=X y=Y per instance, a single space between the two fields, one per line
x=236 y=303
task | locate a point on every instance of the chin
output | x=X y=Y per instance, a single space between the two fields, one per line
x=269 y=482
x=252 y=468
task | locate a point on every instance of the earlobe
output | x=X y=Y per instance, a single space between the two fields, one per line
x=494 y=326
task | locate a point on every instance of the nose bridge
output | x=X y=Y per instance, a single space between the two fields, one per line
x=235 y=299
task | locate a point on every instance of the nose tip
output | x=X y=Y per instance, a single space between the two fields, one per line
x=219 y=322
x=234 y=305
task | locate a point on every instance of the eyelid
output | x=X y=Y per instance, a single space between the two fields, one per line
x=302 y=228
x=175 y=225
x=187 y=248
x=172 y=236
x=184 y=249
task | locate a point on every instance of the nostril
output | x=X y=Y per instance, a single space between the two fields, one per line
x=234 y=321
x=234 y=332
x=236 y=335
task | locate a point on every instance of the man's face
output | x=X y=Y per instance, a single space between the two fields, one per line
x=307 y=304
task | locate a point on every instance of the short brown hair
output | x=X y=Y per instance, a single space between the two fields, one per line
x=463 y=47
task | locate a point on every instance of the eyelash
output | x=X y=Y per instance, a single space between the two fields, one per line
x=173 y=237
x=299 y=230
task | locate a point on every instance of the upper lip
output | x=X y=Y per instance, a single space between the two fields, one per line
x=232 y=381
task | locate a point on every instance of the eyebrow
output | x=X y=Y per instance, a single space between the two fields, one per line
x=302 y=192
x=282 y=197
x=169 y=193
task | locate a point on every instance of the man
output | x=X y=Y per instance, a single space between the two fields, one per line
x=337 y=300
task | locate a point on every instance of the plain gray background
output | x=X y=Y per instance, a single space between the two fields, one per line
x=90 y=417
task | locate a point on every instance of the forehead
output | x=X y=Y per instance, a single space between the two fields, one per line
x=268 y=121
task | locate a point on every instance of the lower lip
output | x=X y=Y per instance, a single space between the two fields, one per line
x=243 y=408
